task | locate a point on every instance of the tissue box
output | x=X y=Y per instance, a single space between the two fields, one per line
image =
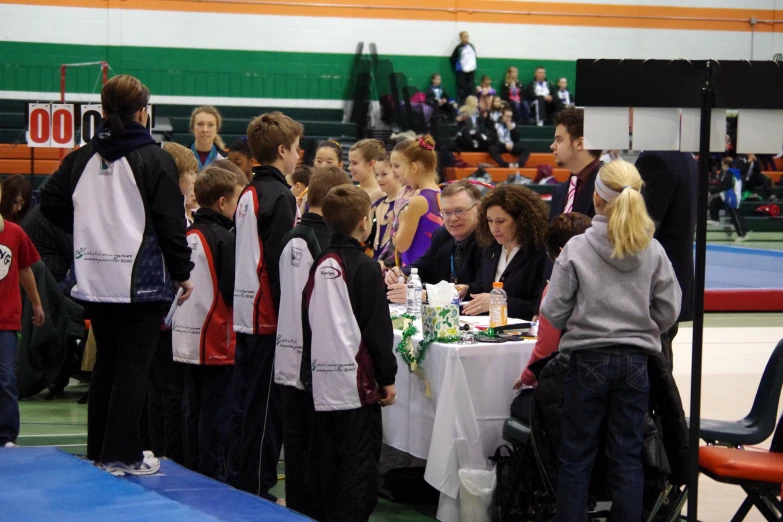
x=440 y=321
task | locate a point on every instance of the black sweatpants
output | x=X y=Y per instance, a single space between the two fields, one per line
x=255 y=424
x=521 y=152
x=164 y=408
x=349 y=443
x=466 y=85
x=207 y=393
x=125 y=336
x=303 y=487
x=715 y=207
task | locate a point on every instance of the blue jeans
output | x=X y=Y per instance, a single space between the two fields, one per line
x=9 y=398
x=607 y=384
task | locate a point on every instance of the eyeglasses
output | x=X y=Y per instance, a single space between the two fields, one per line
x=446 y=214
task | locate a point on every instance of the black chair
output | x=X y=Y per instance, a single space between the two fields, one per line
x=759 y=424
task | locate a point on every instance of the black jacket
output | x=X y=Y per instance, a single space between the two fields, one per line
x=53 y=244
x=457 y=54
x=218 y=231
x=156 y=176
x=670 y=188
x=530 y=90
x=523 y=279
x=432 y=98
x=584 y=200
x=505 y=92
x=368 y=305
x=435 y=264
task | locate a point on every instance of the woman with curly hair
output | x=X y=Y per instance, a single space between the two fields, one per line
x=512 y=226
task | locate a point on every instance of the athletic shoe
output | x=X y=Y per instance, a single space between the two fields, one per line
x=741 y=239
x=711 y=223
x=148 y=466
x=10 y=445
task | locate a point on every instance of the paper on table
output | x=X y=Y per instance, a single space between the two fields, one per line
x=759 y=131
x=606 y=128
x=656 y=129
x=690 y=125
x=173 y=308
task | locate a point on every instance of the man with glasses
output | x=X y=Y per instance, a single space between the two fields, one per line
x=454 y=254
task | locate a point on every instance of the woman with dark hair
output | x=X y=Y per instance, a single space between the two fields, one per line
x=17 y=198
x=512 y=226
x=120 y=197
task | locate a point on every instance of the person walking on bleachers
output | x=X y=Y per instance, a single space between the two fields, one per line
x=507 y=140
x=463 y=61
x=730 y=190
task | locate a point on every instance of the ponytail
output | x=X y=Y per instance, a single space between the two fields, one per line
x=121 y=98
x=630 y=227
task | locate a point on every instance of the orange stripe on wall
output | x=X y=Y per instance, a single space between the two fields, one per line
x=465 y=11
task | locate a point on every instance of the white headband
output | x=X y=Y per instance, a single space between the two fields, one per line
x=605 y=192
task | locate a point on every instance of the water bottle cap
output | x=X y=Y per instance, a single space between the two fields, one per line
x=497 y=284
x=414 y=270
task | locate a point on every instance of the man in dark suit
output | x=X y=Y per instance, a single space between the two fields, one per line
x=454 y=254
x=670 y=187
x=576 y=194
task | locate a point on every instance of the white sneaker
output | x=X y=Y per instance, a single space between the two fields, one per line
x=711 y=223
x=741 y=239
x=148 y=466
x=10 y=445
x=540 y=123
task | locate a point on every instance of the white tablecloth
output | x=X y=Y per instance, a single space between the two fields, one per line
x=462 y=423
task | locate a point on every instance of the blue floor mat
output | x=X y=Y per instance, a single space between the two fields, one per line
x=42 y=484
x=743 y=268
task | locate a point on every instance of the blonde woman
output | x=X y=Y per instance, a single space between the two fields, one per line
x=471 y=135
x=613 y=291
x=207 y=146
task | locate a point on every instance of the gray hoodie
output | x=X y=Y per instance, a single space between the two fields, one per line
x=600 y=301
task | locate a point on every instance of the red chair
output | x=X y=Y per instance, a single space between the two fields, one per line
x=758 y=473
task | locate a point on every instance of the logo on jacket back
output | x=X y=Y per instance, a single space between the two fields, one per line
x=329 y=272
x=243 y=210
x=296 y=257
x=107 y=169
x=79 y=253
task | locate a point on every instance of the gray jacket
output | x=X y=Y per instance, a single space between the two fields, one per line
x=600 y=301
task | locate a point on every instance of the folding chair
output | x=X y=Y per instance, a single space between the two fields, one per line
x=759 y=474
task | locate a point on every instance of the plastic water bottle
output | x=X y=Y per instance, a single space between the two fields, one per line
x=498 y=309
x=413 y=294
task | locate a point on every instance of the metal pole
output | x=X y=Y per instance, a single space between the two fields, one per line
x=698 y=305
x=62 y=98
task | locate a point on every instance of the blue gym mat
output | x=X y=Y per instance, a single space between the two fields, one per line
x=743 y=268
x=40 y=484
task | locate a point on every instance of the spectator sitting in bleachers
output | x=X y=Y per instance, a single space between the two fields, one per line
x=507 y=140
x=495 y=112
x=485 y=94
x=438 y=98
x=753 y=180
x=567 y=99
x=512 y=93
x=471 y=135
x=541 y=95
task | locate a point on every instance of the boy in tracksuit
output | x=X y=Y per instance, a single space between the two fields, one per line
x=203 y=327
x=265 y=213
x=303 y=244
x=349 y=369
x=729 y=187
